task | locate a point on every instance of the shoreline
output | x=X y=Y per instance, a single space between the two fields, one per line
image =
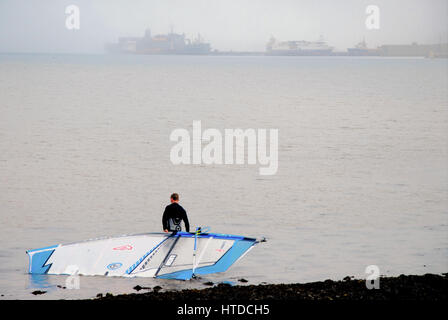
x=427 y=287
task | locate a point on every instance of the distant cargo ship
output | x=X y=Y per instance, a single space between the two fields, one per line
x=298 y=48
x=415 y=50
x=171 y=43
x=361 y=50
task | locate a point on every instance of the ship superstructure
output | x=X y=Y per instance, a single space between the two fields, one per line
x=171 y=43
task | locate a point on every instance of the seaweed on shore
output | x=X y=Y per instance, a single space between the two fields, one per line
x=428 y=287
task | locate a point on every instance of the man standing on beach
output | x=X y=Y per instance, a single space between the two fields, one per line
x=173 y=216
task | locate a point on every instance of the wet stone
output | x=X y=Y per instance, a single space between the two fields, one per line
x=224 y=285
x=138 y=288
x=38 y=292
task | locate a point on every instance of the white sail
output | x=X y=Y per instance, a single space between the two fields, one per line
x=161 y=255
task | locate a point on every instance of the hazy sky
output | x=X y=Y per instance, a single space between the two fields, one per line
x=39 y=25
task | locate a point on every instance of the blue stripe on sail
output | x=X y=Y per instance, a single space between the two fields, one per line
x=45 y=248
x=238 y=248
x=39 y=260
x=135 y=265
x=214 y=235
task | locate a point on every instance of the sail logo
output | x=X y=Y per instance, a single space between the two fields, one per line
x=121 y=248
x=170 y=260
x=226 y=148
x=114 y=266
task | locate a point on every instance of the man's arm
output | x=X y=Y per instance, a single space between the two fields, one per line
x=187 y=224
x=165 y=220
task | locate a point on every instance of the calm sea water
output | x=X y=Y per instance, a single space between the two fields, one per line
x=362 y=178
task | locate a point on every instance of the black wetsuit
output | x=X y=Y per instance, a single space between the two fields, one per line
x=173 y=216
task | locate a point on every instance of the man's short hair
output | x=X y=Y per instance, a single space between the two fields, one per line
x=175 y=196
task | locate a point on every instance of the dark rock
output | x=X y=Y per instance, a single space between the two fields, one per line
x=224 y=285
x=99 y=295
x=243 y=280
x=209 y=283
x=38 y=292
x=347 y=278
x=157 y=288
x=138 y=288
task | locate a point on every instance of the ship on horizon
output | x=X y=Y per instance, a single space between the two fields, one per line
x=171 y=43
x=298 y=48
x=361 y=49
